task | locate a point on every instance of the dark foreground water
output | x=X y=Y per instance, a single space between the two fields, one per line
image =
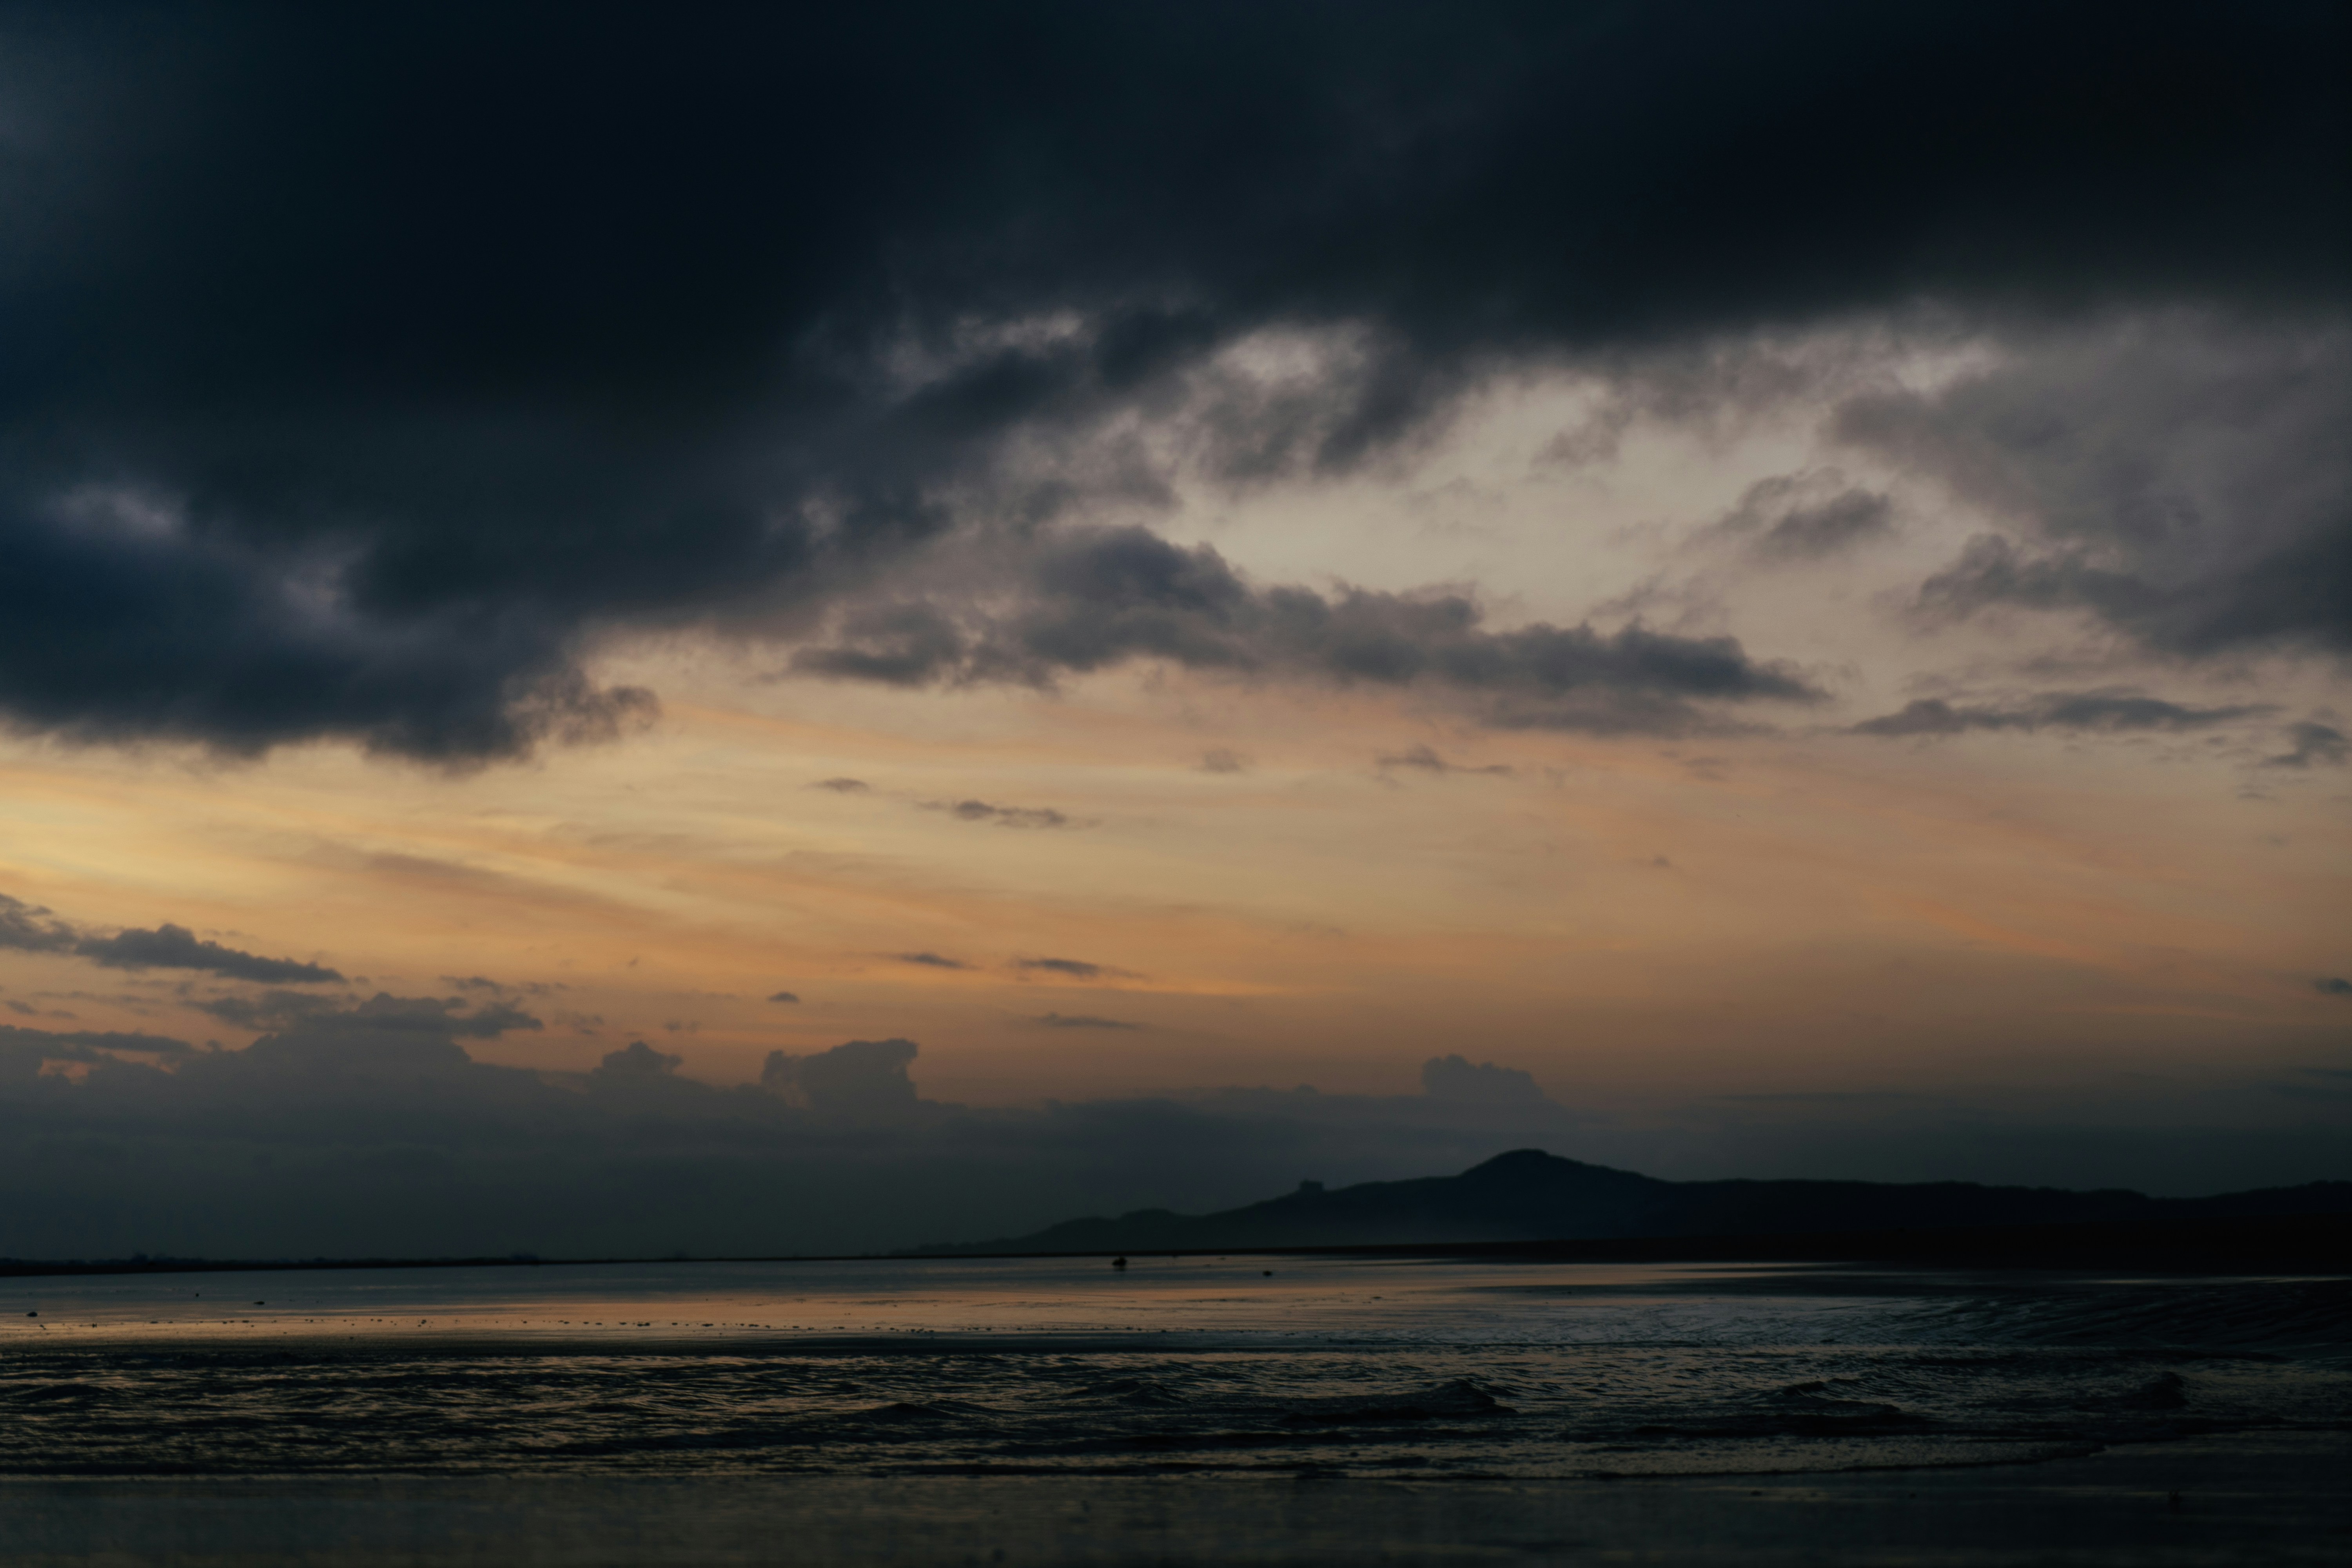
x=1284 y=1410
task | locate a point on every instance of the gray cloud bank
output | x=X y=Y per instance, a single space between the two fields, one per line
x=2181 y=481
x=358 y=1128
x=371 y=366
x=367 y=1128
x=1092 y=598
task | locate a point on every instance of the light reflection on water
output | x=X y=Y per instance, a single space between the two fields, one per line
x=1282 y=1296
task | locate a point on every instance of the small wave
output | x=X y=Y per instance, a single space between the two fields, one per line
x=54 y=1393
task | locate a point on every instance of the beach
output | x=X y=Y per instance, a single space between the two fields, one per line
x=1179 y=1410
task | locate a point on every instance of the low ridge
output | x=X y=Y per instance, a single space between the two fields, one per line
x=1527 y=1194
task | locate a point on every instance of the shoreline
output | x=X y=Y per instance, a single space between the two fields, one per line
x=2317 y=1244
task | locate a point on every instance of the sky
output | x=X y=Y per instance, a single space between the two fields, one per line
x=772 y=629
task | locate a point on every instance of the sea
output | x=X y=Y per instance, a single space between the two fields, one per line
x=1172 y=1409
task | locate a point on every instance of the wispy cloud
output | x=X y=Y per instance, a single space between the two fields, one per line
x=2107 y=711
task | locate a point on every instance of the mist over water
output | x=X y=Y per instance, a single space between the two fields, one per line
x=1171 y=1367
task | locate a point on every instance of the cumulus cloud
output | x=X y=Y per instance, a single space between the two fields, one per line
x=287 y=461
x=1454 y=1076
x=638 y=1060
x=2106 y=711
x=861 y=1079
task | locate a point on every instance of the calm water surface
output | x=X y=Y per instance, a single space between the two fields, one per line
x=1171 y=1367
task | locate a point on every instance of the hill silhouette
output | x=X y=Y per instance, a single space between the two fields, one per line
x=1531 y=1195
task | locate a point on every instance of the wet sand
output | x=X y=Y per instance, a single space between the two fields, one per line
x=2245 y=1498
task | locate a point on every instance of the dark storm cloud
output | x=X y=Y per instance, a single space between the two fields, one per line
x=785 y=996
x=176 y=636
x=2108 y=713
x=2335 y=985
x=2311 y=745
x=1097 y=597
x=1001 y=816
x=369 y=365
